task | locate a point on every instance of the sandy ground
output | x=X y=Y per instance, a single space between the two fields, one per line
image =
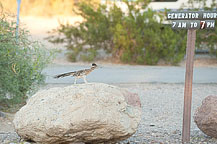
x=6 y=124
x=40 y=26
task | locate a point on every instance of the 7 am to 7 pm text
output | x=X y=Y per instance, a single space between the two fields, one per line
x=193 y=24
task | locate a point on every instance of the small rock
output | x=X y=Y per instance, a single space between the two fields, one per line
x=2 y=114
x=151 y=125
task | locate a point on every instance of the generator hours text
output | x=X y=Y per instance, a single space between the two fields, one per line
x=192 y=15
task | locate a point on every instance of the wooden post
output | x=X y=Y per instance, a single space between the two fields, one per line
x=18 y=19
x=188 y=85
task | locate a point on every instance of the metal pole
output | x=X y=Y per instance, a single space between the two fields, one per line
x=191 y=37
x=18 y=20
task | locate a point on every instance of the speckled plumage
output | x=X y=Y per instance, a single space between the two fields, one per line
x=78 y=74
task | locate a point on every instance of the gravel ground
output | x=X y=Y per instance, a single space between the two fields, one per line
x=162 y=109
x=162 y=106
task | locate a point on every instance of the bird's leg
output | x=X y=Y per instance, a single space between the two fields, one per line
x=75 y=80
x=85 y=80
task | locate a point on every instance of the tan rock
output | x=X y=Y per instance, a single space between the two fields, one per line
x=93 y=112
x=206 y=116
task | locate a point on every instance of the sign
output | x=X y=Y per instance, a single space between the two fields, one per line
x=193 y=24
x=191 y=21
x=191 y=15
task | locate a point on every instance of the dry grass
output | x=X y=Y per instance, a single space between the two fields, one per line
x=42 y=7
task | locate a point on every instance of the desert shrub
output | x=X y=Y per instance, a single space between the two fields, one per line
x=84 y=40
x=134 y=36
x=21 y=64
x=147 y=41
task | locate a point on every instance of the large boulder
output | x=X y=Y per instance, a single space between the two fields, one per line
x=206 y=116
x=89 y=113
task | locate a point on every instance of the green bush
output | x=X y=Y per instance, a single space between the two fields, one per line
x=21 y=64
x=137 y=36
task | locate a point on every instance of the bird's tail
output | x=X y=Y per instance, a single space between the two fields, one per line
x=65 y=74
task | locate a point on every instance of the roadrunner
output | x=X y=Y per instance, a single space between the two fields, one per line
x=78 y=74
